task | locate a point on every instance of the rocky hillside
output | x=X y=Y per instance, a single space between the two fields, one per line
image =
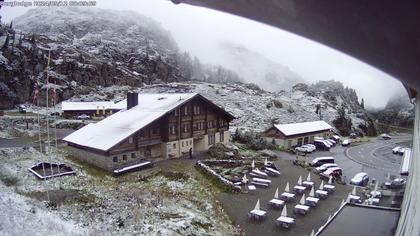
x=397 y=112
x=256 y=109
x=91 y=47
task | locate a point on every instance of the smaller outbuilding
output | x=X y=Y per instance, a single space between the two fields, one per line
x=296 y=134
x=92 y=109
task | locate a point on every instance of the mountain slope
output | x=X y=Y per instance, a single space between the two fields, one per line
x=91 y=47
x=256 y=68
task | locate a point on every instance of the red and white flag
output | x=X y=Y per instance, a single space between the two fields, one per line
x=35 y=97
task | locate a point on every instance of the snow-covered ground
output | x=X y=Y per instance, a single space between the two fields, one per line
x=98 y=204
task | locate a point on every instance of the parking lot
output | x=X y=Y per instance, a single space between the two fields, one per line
x=352 y=160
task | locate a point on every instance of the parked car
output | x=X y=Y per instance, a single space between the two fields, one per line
x=319 y=161
x=83 y=117
x=321 y=145
x=55 y=114
x=385 y=136
x=304 y=149
x=398 y=183
x=332 y=141
x=346 y=142
x=398 y=150
x=360 y=179
x=326 y=166
x=311 y=146
x=334 y=172
x=336 y=138
x=353 y=135
x=22 y=108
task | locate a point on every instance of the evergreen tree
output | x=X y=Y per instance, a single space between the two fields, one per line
x=362 y=103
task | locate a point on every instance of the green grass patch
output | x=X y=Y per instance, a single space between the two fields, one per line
x=9 y=180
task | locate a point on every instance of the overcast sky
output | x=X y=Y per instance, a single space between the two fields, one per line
x=199 y=31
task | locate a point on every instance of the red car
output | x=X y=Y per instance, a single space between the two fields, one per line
x=334 y=172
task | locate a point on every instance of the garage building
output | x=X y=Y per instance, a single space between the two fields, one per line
x=296 y=134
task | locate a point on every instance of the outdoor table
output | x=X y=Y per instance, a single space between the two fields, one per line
x=354 y=199
x=329 y=188
x=321 y=193
x=252 y=188
x=301 y=209
x=285 y=221
x=288 y=197
x=377 y=194
x=272 y=171
x=276 y=203
x=258 y=173
x=312 y=201
x=299 y=189
x=257 y=214
x=308 y=184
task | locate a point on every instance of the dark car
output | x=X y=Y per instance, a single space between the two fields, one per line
x=55 y=114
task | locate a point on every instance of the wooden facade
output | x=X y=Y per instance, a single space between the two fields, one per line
x=191 y=126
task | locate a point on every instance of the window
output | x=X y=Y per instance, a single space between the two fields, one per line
x=172 y=129
x=305 y=140
x=124 y=157
x=190 y=142
x=186 y=128
x=133 y=155
x=222 y=136
x=186 y=110
x=182 y=143
x=209 y=124
x=176 y=112
x=115 y=159
x=196 y=110
x=130 y=140
x=211 y=139
x=174 y=146
x=299 y=141
x=141 y=134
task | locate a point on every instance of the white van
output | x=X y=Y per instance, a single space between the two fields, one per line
x=322 y=160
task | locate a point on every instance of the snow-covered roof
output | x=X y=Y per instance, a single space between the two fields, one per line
x=89 y=106
x=304 y=127
x=107 y=133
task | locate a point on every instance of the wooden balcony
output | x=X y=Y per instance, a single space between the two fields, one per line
x=149 y=141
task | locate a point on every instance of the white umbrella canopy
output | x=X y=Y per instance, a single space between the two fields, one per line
x=299 y=182
x=309 y=177
x=312 y=192
x=353 y=192
x=312 y=233
x=244 y=179
x=284 y=211
x=253 y=164
x=302 y=200
x=287 y=189
x=321 y=186
x=348 y=197
x=330 y=180
x=257 y=206
x=276 y=194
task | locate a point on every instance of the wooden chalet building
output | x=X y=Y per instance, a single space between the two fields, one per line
x=296 y=134
x=153 y=126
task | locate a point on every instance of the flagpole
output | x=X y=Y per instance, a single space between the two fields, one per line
x=48 y=123
x=36 y=99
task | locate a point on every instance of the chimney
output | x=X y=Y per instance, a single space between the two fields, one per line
x=132 y=100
